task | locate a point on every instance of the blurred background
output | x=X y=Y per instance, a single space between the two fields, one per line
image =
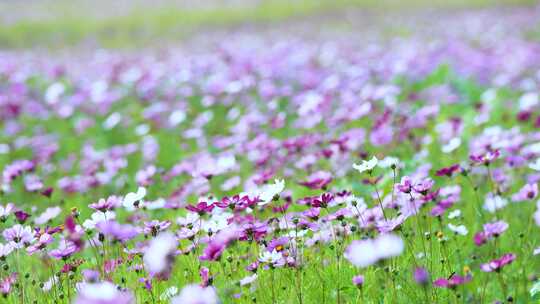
x=137 y=23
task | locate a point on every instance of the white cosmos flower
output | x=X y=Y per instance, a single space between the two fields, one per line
x=248 y=280
x=453 y=144
x=388 y=161
x=366 y=165
x=535 y=165
x=494 y=203
x=48 y=215
x=168 y=293
x=461 y=229
x=454 y=214
x=133 y=197
x=270 y=257
x=98 y=217
x=268 y=192
x=367 y=252
x=156 y=256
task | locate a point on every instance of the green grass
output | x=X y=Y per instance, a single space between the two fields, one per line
x=141 y=26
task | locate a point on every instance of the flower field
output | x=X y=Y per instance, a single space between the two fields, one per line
x=278 y=168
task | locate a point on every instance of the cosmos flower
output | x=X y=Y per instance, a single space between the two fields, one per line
x=5 y=250
x=117 y=231
x=133 y=199
x=494 y=203
x=106 y=204
x=98 y=217
x=497 y=264
x=273 y=257
x=358 y=280
x=366 y=165
x=318 y=180
x=195 y=294
x=64 y=250
x=460 y=229
x=527 y=192
x=159 y=256
x=535 y=165
x=49 y=214
x=6 y=210
x=491 y=230
x=453 y=281
x=18 y=236
x=364 y=253
x=102 y=293
x=268 y=192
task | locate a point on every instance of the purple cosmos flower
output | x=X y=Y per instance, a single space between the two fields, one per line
x=423 y=186
x=421 y=276
x=159 y=256
x=155 y=226
x=18 y=236
x=118 y=231
x=358 y=280
x=491 y=230
x=486 y=158
x=497 y=264
x=64 y=250
x=405 y=185
x=277 y=244
x=106 y=204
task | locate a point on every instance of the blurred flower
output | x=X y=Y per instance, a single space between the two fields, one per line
x=367 y=252
x=195 y=294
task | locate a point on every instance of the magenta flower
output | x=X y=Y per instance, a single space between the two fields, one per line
x=405 y=185
x=201 y=208
x=497 y=264
x=453 y=281
x=318 y=180
x=213 y=251
x=486 y=158
x=448 y=171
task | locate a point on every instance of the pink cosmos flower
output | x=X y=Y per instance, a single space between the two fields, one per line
x=527 y=192
x=453 y=281
x=497 y=264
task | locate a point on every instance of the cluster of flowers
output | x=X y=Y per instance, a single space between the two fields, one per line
x=200 y=178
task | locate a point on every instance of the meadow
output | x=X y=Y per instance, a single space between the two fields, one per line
x=393 y=162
